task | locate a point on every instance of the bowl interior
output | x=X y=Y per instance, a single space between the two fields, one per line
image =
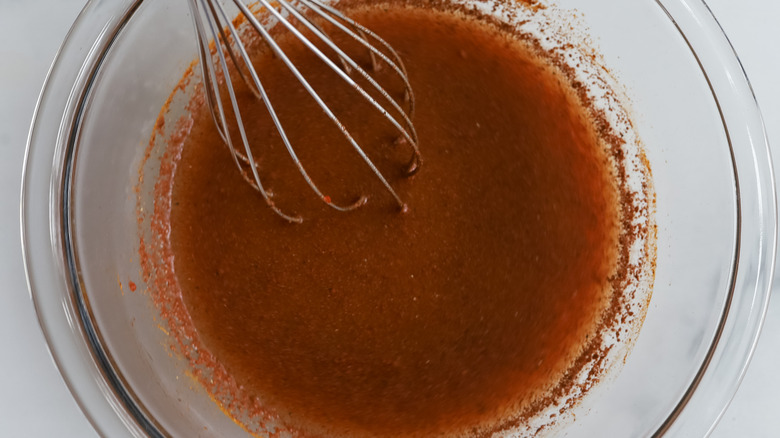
x=675 y=111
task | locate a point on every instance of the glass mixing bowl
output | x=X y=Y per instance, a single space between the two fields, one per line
x=693 y=108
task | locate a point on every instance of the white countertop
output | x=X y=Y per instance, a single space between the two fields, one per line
x=34 y=401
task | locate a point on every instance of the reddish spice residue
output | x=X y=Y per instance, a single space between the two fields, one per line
x=132 y=286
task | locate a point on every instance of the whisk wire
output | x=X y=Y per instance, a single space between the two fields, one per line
x=309 y=89
x=213 y=24
x=228 y=47
x=412 y=139
x=288 y=145
x=320 y=8
x=206 y=68
x=216 y=18
x=278 y=125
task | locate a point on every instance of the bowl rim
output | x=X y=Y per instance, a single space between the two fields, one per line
x=737 y=334
x=53 y=283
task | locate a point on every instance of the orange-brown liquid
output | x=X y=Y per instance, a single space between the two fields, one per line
x=453 y=316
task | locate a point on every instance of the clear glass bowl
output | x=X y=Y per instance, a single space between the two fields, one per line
x=694 y=110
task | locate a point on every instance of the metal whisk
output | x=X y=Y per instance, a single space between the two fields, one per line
x=212 y=23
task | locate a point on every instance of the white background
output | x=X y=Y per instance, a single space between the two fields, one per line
x=34 y=401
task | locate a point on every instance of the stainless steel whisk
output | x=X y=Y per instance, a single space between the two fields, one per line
x=212 y=23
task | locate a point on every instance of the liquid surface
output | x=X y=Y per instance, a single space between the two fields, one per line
x=453 y=317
